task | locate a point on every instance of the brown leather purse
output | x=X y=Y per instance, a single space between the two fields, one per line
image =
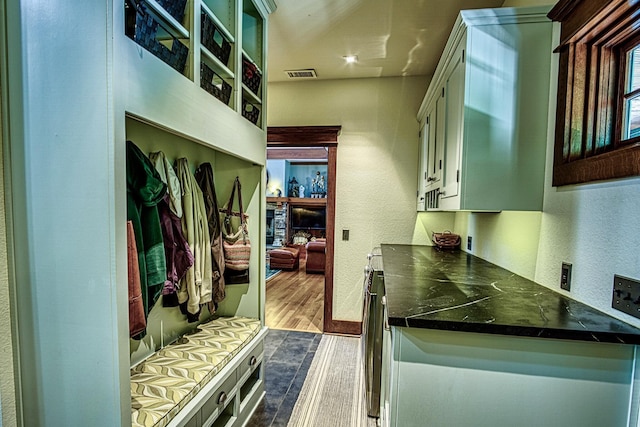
x=446 y=240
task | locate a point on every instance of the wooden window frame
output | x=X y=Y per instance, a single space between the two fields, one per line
x=595 y=36
x=624 y=50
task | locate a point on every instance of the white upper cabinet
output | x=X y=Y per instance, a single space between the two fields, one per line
x=486 y=111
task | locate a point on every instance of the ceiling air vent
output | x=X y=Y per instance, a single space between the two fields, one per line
x=301 y=74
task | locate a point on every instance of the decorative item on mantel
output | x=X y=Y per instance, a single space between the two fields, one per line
x=318 y=188
x=294 y=188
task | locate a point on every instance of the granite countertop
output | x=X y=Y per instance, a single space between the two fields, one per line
x=456 y=291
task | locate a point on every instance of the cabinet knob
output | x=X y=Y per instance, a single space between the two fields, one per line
x=222 y=397
x=253 y=361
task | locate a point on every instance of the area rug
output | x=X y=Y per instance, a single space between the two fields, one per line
x=333 y=392
x=270 y=273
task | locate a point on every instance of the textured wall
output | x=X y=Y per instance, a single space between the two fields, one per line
x=376 y=167
x=508 y=239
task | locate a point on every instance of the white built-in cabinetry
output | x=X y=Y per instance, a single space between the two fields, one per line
x=207 y=111
x=74 y=88
x=483 y=120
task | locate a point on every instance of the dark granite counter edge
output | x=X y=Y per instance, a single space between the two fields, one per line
x=520 y=331
x=464 y=282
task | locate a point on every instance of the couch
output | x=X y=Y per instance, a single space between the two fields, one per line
x=285 y=258
x=316 y=250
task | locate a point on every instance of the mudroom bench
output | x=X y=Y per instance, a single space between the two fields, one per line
x=211 y=377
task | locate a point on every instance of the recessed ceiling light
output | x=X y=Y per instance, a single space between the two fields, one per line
x=350 y=59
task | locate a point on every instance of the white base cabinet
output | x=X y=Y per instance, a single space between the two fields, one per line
x=445 y=378
x=484 y=116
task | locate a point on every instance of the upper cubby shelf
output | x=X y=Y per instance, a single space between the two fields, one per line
x=252 y=32
x=252 y=62
x=223 y=12
x=217 y=58
x=217 y=44
x=160 y=30
x=217 y=40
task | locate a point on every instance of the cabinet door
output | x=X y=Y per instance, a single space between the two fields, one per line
x=437 y=141
x=423 y=163
x=454 y=93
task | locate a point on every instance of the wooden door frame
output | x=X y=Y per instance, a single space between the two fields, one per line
x=315 y=137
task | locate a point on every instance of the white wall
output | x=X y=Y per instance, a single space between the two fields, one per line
x=376 y=165
x=508 y=239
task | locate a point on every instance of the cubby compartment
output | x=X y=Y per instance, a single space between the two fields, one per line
x=252 y=63
x=225 y=419
x=250 y=111
x=224 y=11
x=252 y=32
x=250 y=387
x=155 y=29
x=213 y=83
x=166 y=324
x=251 y=75
x=214 y=39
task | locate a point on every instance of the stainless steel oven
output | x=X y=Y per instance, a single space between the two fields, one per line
x=372 y=327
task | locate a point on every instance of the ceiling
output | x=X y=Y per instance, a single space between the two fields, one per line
x=390 y=37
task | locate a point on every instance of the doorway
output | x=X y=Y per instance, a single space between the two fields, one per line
x=317 y=141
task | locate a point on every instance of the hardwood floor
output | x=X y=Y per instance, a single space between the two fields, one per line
x=295 y=301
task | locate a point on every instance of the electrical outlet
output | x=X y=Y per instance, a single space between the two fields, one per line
x=565 y=276
x=469 y=243
x=626 y=295
x=345 y=235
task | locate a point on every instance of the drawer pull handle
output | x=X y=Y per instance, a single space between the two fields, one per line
x=222 y=398
x=253 y=361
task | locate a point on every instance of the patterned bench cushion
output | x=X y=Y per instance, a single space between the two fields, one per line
x=165 y=382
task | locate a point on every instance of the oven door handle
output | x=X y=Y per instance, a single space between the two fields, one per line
x=384 y=313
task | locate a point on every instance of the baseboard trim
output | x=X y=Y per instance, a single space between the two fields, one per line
x=343 y=327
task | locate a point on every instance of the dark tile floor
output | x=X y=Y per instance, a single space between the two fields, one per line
x=288 y=355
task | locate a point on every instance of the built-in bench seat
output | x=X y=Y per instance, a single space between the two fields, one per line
x=193 y=380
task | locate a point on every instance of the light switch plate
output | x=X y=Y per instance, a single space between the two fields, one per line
x=565 y=276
